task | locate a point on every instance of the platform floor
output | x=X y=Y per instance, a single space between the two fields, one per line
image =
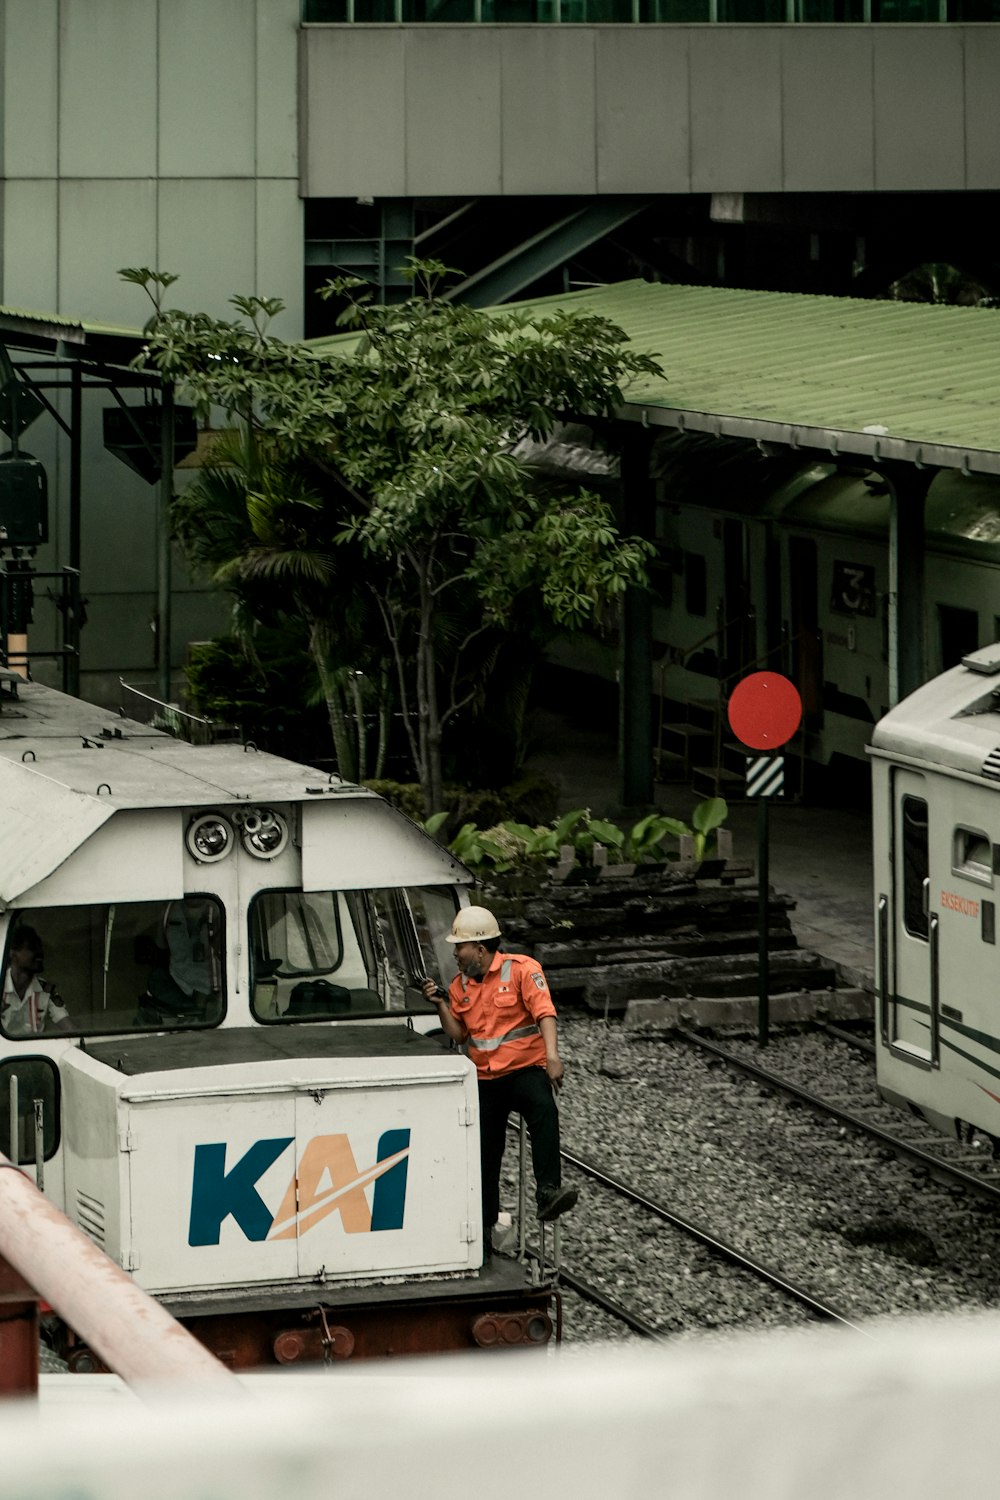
x=820 y=856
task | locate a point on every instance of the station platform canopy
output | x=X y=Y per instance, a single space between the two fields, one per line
x=915 y=382
x=68 y=338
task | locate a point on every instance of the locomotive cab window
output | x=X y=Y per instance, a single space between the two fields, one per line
x=329 y=955
x=972 y=855
x=116 y=967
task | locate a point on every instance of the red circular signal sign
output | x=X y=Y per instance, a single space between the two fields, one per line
x=765 y=710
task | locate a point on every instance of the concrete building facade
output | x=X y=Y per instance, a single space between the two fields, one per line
x=250 y=149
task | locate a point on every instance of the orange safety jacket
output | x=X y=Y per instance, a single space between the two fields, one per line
x=501 y=1013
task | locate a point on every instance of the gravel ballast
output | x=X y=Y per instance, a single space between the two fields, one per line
x=834 y=1213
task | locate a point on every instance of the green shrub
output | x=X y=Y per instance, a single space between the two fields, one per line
x=513 y=845
x=533 y=799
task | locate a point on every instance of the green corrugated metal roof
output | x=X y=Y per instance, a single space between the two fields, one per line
x=35 y=328
x=807 y=369
x=814 y=372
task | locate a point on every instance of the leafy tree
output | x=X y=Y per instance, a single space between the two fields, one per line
x=410 y=427
x=257 y=524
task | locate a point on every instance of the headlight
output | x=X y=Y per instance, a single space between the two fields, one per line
x=209 y=838
x=264 y=832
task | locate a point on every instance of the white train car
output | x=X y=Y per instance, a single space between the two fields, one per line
x=768 y=561
x=936 y=816
x=213 y=1051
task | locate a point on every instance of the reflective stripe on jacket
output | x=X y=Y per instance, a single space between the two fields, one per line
x=501 y=1013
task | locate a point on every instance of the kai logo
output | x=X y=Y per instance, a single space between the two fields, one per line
x=328 y=1181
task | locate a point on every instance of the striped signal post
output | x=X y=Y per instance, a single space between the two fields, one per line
x=765 y=710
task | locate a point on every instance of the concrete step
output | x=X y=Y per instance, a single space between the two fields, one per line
x=560 y=960
x=612 y=988
x=661 y=1016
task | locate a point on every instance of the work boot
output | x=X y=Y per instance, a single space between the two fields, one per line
x=556 y=1201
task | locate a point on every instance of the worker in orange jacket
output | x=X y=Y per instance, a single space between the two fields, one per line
x=500 y=1008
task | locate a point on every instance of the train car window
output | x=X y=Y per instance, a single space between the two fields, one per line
x=916 y=867
x=299 y=933
x=413 y=926
x=972 y=855
x=695 y=584
x=111 y=968
x=434 y=911
x=383 y=943
x=305 y=959
x=25 y=1082
x=958 y=634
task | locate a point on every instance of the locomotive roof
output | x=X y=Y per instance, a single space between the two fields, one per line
x=90 y=751
x=952 y=721
x=67 y=767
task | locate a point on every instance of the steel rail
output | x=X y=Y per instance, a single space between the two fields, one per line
x=712 y=1241
x=936 y=1166
x=591 y=1293
x=860 y=1043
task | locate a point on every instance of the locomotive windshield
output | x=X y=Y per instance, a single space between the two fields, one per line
x=118 y=967
x=154 y=965
x=319 y=955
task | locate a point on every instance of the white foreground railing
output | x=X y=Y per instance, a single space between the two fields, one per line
x=822 y=1415
x=131 y=1332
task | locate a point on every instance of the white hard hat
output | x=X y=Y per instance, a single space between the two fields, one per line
x=473 y=924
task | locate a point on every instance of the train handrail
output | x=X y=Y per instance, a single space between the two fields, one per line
x=935 y=995
x=882 y=933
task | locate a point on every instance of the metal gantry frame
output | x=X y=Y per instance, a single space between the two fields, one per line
x=44 y=378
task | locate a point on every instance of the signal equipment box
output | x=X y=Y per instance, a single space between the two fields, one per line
x=24 y=508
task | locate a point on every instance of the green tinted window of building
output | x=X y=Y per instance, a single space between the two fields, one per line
x=744 y=11
x=905 y=10
x=454 y=11
x=619 y=12
x=826 y=11
x=675 y=10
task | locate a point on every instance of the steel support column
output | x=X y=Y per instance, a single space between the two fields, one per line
x=908 y=488
x=635 y=691
x=71 y=620
x=164 y=580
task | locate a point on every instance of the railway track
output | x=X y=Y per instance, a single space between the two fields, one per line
x=826 y=1203
x=925 y=1150
x=706 y=1238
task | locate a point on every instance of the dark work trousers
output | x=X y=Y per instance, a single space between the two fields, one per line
x=527 y=1092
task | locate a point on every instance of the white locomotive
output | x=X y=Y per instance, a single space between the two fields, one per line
x=213 y=1050
x=936 y=815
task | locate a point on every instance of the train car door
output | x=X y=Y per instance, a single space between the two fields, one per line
x=910 y=1019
